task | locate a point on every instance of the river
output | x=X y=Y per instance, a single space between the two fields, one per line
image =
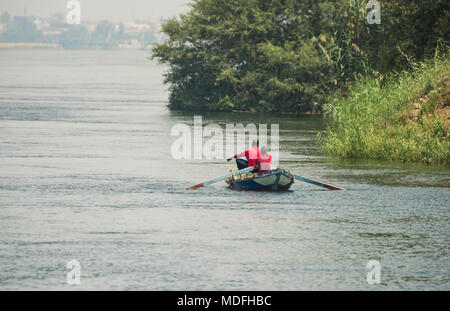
x=87 y=175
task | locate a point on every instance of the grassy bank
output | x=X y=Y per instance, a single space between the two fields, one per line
x=400 y=118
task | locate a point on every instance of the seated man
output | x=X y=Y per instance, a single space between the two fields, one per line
x=264 y=161
x=251 y=154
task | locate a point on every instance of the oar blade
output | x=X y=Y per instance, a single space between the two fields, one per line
x=245 y=170
x=317 y=183
x=331 y=187
x=195 y=187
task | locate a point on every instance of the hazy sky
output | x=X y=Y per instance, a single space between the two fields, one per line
x=95 y=10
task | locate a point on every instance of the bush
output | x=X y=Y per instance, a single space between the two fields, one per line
x=373 y=121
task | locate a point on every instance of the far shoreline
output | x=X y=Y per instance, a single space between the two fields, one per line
x=29 y=45
x=56 y=46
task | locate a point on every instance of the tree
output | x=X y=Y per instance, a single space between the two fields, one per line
x=75 y=37
x=22 y=29
x=103 y=35
x=288 y=55
x=412 y=28
x=5 y=18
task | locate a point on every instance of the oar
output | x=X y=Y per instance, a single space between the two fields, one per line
x=317 y=183
x=245 y=170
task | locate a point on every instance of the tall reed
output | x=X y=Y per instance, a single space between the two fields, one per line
x=372 y=121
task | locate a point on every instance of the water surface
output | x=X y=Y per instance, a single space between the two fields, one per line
x=87 y=174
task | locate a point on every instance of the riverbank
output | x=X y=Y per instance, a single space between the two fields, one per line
x=28 y=45
x=52 y=46
x=401 y=118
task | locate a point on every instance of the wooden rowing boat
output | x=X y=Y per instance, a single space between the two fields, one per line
x=273 y=180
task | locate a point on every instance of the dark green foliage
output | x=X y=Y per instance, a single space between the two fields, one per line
x=287 y=55
x=412 y=29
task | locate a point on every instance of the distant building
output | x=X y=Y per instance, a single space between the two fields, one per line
x=133 y=28
x=56 y=30
x=132 y=44
x=41 y=24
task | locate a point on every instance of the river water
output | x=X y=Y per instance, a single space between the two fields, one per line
x=86 y=174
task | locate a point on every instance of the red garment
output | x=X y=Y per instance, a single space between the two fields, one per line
x=264 y=163
x=251 y=154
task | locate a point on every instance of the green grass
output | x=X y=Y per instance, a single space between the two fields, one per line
x=371 y=122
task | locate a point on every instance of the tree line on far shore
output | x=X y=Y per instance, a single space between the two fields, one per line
x=105 y=34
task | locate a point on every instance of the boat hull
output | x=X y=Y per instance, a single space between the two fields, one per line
x=274 y=180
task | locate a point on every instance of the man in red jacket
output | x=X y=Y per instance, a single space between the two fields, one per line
x=264 y=161
x=251 y=154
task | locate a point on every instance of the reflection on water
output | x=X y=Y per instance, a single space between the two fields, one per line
x=87 y=174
